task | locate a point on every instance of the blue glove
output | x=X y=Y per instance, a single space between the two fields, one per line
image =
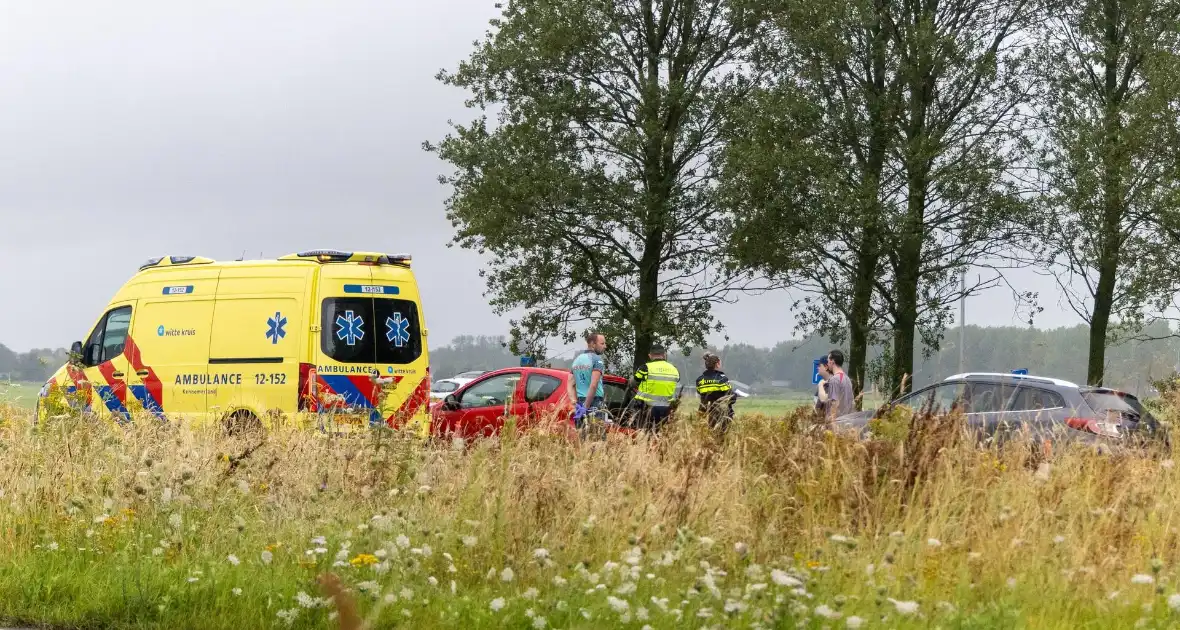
x=579 y=411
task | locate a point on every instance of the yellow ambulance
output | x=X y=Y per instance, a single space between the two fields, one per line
x=320 y=338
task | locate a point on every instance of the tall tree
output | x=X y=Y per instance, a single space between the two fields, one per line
x=806 y=165
x=962 y=65
x=594 y=191
x=1111 y=106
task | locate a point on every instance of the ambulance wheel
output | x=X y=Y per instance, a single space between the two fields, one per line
x=241 y=422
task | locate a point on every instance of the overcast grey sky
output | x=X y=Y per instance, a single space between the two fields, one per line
x=135 y=129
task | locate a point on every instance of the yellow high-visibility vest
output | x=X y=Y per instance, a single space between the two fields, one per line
x=657 y=383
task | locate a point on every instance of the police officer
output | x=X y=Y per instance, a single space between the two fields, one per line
x=657 y=381
x=715 y=394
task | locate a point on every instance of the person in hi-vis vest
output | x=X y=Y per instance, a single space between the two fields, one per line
x=657 y=381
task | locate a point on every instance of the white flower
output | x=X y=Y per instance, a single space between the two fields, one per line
x=321 y=550
x=102 y=518
x=507 y=574
x=53 y=546
x=559 y=581
x=406 y=593
x=706 y=541
x=897 y=534
x=497 y=604
x=267 y=556
x=531 y=593
x=469 y=541
x=454 y=587
x=539 y=623
x=305 y=600
x=903 y=607
x=626 y=588
x=1174 y=601
x=237 y=591
x=365 y=587
x=390 y=598
x=158 y=551
x=741 y=548
x=854 y=622
x=1167 y=464
x=933 y=542
x=433 y=581
x=541 y=554
x=1142 y=578
x=641 y=614
x=826 y=612
x=193 y=579
x=403 y=541
x=781 y=578
x=617 y=605
x=1058 y=539
x=705 y=613
x=319 y=541
x=288 y=616
x=233 y=560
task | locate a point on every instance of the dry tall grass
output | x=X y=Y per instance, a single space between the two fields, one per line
x=783 y=525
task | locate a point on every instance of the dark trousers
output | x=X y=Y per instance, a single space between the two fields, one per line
x=649 y=418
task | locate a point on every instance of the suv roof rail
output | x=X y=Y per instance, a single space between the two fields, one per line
x=1015 y=377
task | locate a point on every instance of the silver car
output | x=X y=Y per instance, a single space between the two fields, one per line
x=998 y=404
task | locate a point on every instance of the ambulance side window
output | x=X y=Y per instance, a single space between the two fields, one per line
x=109 y=337
x=349 y=330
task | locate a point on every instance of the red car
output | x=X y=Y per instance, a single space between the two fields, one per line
x=530 y=394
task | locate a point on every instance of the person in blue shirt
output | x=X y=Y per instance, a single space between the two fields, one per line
x=588 y=369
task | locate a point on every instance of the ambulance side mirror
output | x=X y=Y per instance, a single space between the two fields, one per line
x=76 y=352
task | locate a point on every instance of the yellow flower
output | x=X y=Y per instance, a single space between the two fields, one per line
x=363 y=559
x=814 y=565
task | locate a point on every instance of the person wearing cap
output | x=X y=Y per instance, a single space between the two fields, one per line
x=715 y=394
x=821 y=389
x=657 y=381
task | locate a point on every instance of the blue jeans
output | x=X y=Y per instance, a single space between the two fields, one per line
x=595 y=403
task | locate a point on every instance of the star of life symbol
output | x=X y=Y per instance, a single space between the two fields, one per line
x=350 y=328
x=397 y=330
x=276 y=328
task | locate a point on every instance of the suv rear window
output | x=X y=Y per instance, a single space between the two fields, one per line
x=370 y=330
x=1104 y=402
x=1034 y=399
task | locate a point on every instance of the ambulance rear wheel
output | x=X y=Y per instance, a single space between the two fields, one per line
x=241 y=422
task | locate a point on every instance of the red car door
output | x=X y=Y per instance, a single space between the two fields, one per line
x=478 y=408
x=545 y=396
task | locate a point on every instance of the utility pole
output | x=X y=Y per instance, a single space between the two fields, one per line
x=962 y=317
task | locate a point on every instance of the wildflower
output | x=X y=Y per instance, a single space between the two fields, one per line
x=319 y=541
x=705 y=613
x=507 y=574
x=1142 y=578
x=193 y=579
x=53 y=546
x=232 y=559
x=288 y=616
x=102 y=518
x=585 y=614
x=433 y=581
x=781 y=578
x=1174 y=601
x=365 y=587
x=390 y=598
x=469 y=541
x=904 y=607
x=823 y=610
x=406 y=594
x=933 y=542
x=531 y=593
x=321 y=550
x=403 y=541
x=453 y=587
x=158 y=551
x=1167 y=464
x=617 y=605
x=363 y=560
x=267 y=556
x=381 y=554
x=559 y=581
x=626 y=588
x=1058 y=539
x=842 y=540
x=854 y=622
x=541 y=554
x=705 y=541
x=497 y=604
x=237 y=591
x=896 y=534
x=539 y=623
x=660 y=602
x=741 y=549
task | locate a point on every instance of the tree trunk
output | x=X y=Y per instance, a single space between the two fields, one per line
x=860 y=312
x=1110 y=238
x=905 y=321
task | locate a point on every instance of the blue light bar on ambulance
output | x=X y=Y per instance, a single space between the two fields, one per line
x=168 y=261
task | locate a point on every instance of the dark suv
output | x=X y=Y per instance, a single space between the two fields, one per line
x=1049 y=408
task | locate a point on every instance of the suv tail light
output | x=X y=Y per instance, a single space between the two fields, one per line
x=1097 y=427
x=308 y=398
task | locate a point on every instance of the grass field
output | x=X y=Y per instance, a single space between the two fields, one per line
x=22 y=395
x=782 y=526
